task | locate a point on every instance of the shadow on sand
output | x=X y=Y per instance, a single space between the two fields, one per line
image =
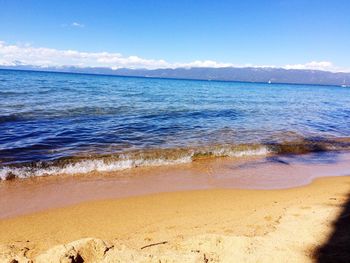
x=337 y=247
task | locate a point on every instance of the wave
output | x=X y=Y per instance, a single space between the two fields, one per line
x=117 y=162
x=159 y=157
x=63 y=113
x=13 y=93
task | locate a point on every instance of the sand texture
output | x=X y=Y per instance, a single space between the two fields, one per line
x=291 y=225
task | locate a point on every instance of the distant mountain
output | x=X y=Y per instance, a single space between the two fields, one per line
x=249 y=74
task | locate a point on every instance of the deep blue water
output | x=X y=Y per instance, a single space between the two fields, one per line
x=49 y=116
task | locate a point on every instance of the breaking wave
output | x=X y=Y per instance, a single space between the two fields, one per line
x=117 y=162
x=159 y=157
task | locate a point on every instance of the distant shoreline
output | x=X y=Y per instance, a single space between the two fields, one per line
x=175 y=78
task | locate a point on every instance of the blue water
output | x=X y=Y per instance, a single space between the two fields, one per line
x=45 y=117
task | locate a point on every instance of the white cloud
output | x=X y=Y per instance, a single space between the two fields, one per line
x=76 y=24
x=26 y=54
x=46 y=57
x=316 y=65
x=202 y=64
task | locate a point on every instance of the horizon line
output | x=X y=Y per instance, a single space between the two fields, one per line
x=181 y=78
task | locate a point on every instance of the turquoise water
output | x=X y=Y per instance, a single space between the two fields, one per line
x=53 y=123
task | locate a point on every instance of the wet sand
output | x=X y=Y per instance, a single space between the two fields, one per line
x=161 y=215
x=19 y=197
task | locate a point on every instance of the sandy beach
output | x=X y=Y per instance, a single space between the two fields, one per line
x=174 y=131
x=289 y=225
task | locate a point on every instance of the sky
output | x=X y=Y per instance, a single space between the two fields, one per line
x=306 y=34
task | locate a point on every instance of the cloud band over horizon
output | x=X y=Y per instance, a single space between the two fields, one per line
x=14 y=55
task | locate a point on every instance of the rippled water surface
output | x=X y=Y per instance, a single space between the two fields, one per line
x=51 y=117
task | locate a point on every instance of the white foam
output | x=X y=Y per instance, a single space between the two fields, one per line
x=231 y=152
x=87 y=166
x=101 y=165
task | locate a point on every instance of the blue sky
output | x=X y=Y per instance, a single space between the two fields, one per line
x=251 y=32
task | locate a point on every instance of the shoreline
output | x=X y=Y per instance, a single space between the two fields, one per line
x=115 y=162
x=20 y=197
x=219 y=225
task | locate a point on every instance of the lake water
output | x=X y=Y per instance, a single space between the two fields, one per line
x=52 y=123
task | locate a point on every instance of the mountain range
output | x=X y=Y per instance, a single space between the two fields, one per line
x=247 y=74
